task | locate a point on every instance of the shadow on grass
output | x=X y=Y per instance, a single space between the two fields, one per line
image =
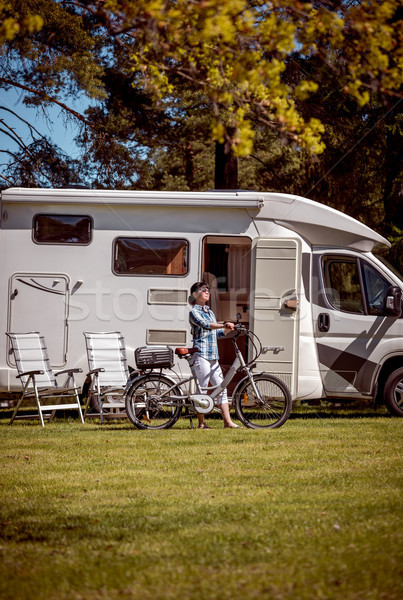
x=304 y=411
x=340 y=415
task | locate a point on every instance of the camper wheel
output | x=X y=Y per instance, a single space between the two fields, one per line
x=393 y=394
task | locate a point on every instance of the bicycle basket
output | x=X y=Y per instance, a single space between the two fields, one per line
x=154 y=357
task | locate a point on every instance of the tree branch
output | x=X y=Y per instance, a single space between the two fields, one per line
x=52 y=99
x=8 y=180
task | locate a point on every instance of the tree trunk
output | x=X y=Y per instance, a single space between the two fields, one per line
x=189 y=165
x=226 y=167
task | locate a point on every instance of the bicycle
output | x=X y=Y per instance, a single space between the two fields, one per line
x=155 y=400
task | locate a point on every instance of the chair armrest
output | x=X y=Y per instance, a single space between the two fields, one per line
x=95 y=371
x=30 y=373
x=69 y=371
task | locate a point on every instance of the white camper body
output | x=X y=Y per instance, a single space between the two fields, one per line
x=75 y=260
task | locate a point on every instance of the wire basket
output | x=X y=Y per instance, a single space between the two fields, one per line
x=154 y=357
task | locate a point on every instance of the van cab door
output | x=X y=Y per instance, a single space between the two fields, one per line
x=353 y=333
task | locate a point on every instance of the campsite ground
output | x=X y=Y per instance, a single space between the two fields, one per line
x=312 y=510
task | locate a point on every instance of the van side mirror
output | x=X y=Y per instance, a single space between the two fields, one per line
x=393 y=301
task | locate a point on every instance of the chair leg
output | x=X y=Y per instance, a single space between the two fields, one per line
x=19 y=403
x=89 y=398
x=87 y=404
x=16 y=408
x=39 y=406
x=80 y=412
x=101 y=414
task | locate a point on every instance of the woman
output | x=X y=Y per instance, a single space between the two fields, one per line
x=205 y=331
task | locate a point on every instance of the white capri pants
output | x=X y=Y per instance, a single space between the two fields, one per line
x=209 y=371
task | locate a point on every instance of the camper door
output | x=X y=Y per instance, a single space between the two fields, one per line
x=39 y=302
x=275 y=279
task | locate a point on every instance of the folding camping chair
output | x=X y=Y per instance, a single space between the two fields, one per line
x=109 y=373
x=38 y=380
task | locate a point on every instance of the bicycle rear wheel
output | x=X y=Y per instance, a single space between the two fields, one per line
x=146 y=405
x=269 y=411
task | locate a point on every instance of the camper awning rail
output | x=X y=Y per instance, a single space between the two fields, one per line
x=125 y=197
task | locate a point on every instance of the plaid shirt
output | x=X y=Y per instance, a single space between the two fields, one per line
x=204 y=338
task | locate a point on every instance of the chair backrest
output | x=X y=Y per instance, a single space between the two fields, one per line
x=108 y=351
x=31 y=354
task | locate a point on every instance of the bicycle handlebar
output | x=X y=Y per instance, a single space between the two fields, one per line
x=240 y=329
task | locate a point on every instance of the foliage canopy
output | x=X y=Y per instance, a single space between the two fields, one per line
x=306 y=94
x=235 y=51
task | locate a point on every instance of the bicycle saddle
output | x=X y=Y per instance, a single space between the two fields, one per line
x=184 y=351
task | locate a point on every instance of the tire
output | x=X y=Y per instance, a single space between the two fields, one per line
x=274 y=408
x=393 y=393
x=95 y=404
x=144 y=406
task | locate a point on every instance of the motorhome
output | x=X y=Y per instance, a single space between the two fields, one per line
x=304 y=277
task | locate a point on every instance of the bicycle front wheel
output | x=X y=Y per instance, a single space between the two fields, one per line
x=269 y=408
x=148 y=406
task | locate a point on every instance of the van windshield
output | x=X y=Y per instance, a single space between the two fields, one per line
x=390 y=267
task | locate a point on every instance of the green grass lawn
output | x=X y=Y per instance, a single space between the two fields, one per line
x=312 y=510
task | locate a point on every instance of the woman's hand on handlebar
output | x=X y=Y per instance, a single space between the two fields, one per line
x=228 y=325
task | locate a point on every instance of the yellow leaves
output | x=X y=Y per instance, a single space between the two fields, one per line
x=321 y=27
x=355 y=89
x=377 y=58
x=385 y=10
x=218 y=26
x=33 y=23
x=243 y=142
x=218 y=132
x=158 y=81
x=303 y=90
x=242 y=134
x=311 y=137
x=11 y=23
x=9 y=29
x=235 y=51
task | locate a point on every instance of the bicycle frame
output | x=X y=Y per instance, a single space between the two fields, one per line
x=201 y=405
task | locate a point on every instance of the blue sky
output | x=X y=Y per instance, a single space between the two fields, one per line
x=56 y=127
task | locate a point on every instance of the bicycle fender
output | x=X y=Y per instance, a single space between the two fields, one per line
x=134 y=376
x=144 y=377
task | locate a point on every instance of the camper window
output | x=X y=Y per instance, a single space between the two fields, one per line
x=150 y=256
x=62 y=229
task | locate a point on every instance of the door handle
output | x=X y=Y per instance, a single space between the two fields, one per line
x=324 y=322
